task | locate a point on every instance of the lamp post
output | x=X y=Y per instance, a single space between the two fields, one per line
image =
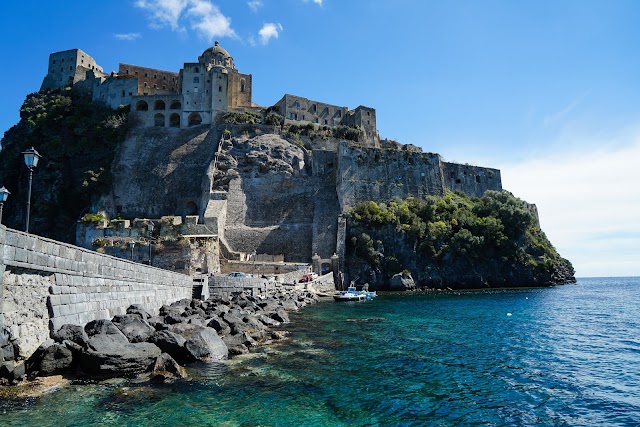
x=150 y=227
x=4 y=195
x=132 y=244
x=31 y=159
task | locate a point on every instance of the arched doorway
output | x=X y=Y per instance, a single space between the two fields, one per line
x=174 y=120
x=195 y=119
x=158 y=120
x=142 y=106
x=159 y=105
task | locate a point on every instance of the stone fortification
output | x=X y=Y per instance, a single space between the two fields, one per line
x=46 y=284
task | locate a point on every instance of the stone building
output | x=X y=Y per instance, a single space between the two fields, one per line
x=298 y=110
x=191 y=97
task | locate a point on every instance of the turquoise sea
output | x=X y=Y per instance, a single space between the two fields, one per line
x=563 y=356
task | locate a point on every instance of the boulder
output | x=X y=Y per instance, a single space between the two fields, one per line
x=239 y=343
x=73 y=333
x=52 y=360
x=401 y=282
x=221 y=327
x=133 y=327
x=202 y=343
x=166 y=368
x=171 y=343
x=279 y=315
x=104 y=327
x=158 y=323
x=266 y=320
x=138 y=310
x=109 y=357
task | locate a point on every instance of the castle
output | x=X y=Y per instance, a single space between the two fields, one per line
x=192 y=96
x=250 y=193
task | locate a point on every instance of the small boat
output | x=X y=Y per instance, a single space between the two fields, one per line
x=350 y=295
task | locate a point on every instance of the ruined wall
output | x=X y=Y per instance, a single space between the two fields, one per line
x=115 y=91
x=51 y=283
x=472 y=180
x=240 y=88
x=380 y=175
x=150 y=80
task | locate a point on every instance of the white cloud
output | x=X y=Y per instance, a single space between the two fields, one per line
x=201 y=15
x=269 y=31
x=318 y=2
x=127 y=36
x=588 y=201
x=208 y=20
x=254 y=5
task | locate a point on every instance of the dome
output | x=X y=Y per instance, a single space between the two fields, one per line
x=216 y=55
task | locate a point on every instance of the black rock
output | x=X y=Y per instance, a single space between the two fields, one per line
x=171 y=343
x=139 y=310
x=133 y=327
x=104 y=327
x=109 y=357
x=73 y=333
x=221 y=327
x=202 y=343
x=54 y=360
x=166 y=368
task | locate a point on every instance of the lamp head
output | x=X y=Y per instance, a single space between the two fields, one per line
x=31 y=158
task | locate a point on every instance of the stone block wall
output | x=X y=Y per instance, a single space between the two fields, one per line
x=47 y=284
x=226 y=286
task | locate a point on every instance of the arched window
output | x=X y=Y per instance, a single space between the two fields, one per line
x=242 y=82
x=159 y=105
x=196 y=79
x=142 y=106
x=174 y=120
x=195 y=119
x=158 y=120
x=175 y=105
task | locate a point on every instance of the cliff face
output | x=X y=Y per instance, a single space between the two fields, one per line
x=453 y=242
x=77 y=140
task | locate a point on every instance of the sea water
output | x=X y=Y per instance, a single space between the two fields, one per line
x=568 y=355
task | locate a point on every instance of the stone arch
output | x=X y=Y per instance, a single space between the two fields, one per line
x=174 y=120
x=175 y=105
x=158 y=120
x=159 y=105
x=191 y=208
x=195 y=119
x=142 y=106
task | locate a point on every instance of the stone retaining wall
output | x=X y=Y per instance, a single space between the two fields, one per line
x=46 y=284
x=226 y=286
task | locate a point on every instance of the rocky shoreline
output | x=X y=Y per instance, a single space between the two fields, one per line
x=138 y=343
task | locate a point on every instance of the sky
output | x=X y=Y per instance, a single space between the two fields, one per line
x=545 y=90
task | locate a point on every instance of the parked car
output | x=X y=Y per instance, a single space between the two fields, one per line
x=306 y=278
x=238 y=274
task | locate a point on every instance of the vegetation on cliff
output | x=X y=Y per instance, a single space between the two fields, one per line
x=453 y=241
x=77 y=140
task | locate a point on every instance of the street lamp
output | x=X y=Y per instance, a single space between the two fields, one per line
x=132 y=244
x=150 y=227
x=4 y=195
x=31 y=159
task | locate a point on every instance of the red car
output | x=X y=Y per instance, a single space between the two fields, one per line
x=306 y=278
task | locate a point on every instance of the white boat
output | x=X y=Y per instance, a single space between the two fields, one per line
x=350 y=295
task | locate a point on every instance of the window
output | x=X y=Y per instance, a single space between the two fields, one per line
x=314 y=108
x=145 y=74
x=155 y=86
x=196 y=70
x=196 y=80
x=126 y=71
x=123 y=94
x=478 y=179
x=368 y=122
x=302 y=117
x=145 y=84
x=62 y=60
x=136 y=73
x=219 y=88
x=164 y=78
x=54 y=61
x=242 y=85
x=155 y=76
x=297 y=104
x=326 y=122
x=164 y=87
x=368 y=113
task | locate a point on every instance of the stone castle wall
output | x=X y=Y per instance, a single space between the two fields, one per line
x=46 y=284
